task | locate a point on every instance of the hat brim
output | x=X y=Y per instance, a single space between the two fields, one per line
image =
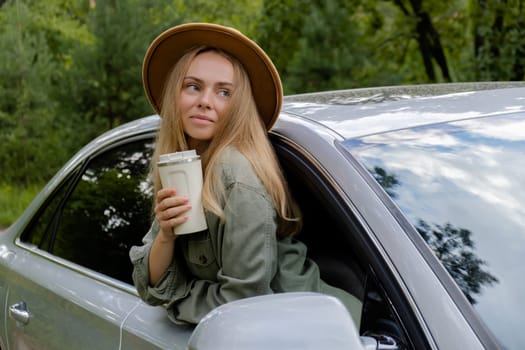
x=165 y=51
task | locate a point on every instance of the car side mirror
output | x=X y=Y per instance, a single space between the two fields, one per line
x=278 y=321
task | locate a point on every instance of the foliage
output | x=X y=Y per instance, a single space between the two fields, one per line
x=30 y=139
x=239 y=14
x=499 y=39
x=279 y=30
x=428 y=39
x=13 y=200
x=103 y=85
x=319 y=45
x=329 y=54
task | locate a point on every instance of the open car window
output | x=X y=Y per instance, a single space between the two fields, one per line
x=346 y=258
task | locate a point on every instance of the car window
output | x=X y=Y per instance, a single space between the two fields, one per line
x=460 y=184
x=98 y=214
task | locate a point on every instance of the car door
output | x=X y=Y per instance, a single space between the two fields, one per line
x=148 y=327
x=52 y=306
x=70 y=282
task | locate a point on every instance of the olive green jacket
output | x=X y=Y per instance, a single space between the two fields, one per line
x=237 y=258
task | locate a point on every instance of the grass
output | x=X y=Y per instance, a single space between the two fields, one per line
x=14 y=199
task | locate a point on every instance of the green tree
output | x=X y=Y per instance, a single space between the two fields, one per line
x=315 y=45
x=103 y=87
x=343 y=44
x=239 y=14
x=30 y=130
x=427 y=37
x=329 y=54
x=499 y=39
x=279 y=30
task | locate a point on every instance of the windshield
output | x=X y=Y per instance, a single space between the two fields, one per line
x=461 y=185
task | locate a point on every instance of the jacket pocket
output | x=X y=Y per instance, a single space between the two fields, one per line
x=200 y=252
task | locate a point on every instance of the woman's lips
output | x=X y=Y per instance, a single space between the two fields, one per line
x=201 y=119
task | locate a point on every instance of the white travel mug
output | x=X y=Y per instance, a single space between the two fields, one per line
x=183 y=171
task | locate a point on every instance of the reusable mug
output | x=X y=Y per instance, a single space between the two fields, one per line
x=183 y=171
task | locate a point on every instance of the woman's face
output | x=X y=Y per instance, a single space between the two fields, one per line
x=205 y=96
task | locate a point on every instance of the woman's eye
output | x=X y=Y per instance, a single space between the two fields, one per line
x=192 y=87
x=224 y=92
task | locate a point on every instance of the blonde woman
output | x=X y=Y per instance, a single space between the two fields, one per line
x=218 y=93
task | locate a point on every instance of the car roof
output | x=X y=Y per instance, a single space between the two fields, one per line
x=361 y=112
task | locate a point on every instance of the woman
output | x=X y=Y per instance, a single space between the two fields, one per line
x=220 y=96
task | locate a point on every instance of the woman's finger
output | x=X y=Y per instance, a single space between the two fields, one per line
x=172 y=212
x=165 y=193
x=170 y=202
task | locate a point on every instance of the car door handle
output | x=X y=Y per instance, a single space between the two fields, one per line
x=19 y=313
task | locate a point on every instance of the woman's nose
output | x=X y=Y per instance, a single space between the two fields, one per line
x=205 y=99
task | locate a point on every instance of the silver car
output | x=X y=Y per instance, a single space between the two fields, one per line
x=413 y=200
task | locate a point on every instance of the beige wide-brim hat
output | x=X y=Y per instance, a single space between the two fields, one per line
x=165 y=51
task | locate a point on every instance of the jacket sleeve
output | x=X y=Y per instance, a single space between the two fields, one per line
x=247 y=256
x=172 y=285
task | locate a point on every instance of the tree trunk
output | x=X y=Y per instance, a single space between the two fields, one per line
x=428 y=40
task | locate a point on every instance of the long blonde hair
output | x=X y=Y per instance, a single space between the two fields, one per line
x=242 y=128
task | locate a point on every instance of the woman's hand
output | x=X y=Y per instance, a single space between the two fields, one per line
x=170 y=211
